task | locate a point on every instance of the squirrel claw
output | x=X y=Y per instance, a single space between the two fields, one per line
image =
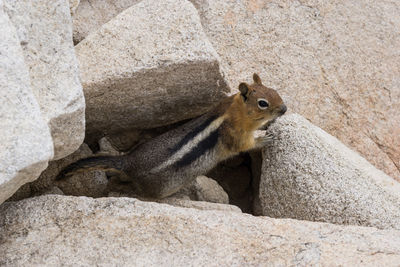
x=264 y=140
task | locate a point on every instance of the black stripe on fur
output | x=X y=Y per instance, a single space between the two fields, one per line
x=188 y=137
x=105 y=163
x=208 y=143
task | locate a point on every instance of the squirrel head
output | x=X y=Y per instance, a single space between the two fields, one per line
x=262 y=104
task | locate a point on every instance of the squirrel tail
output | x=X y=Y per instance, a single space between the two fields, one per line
x=104 y=163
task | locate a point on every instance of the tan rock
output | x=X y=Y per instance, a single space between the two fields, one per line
x=310 y=175
x=25 y=141
x=91 y=15
x=44 y=29
x=163 y=71
x=334 y=62
x=59 y=230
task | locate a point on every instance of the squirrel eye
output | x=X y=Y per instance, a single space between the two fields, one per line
x=262 y=103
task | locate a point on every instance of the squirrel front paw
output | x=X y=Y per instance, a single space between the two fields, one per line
x=264 y=140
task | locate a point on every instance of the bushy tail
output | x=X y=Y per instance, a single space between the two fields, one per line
x=104 y=163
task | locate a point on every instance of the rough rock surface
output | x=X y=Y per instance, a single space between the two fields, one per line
x=183 y=201
x=204 y=189
x=25 y=141
x=310 y=175
x=73 y=5
x=57 y=230
x=44 y=29
x=200 y=205
x=163 y=71
x=336 y=63
x=91 y=15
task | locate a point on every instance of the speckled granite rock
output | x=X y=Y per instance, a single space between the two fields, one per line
x=79 y=231
x=91 y=15
x=45 y=33
x=310 y=175
x=73 y=5
x=25 y=141
x=200 y=205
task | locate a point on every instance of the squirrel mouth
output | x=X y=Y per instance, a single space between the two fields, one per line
x=266 y=125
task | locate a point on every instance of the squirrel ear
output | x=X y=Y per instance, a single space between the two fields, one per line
x=256 y=78
x=244 y=90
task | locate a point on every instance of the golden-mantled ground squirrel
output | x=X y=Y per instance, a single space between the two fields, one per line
x=163 y=165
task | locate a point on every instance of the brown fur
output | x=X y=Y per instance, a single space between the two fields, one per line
x=243 y=116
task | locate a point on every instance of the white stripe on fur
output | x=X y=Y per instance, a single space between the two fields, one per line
x=190 y=145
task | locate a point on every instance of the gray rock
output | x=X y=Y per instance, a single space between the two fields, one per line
x=334 y=62
x=160 y=69
x=204 y=189
x=45 y=32
x=91 y=15
x=209 y=190
x=310 y=175
x=59 y=230
x=25 y=141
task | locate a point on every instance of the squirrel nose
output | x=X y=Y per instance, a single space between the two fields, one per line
x=283 y=109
